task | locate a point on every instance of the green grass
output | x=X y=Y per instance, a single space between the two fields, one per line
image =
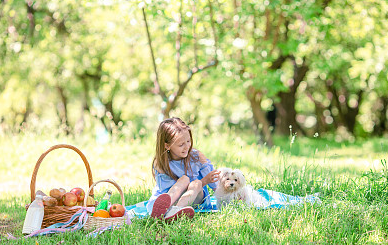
x=351 y=177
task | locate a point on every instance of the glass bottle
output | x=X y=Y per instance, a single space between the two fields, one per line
x=105 y=201
x=34 y=216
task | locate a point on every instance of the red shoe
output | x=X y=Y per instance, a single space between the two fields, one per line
x=162 y=203
x=175 y=212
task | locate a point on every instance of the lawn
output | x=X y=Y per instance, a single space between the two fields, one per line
x=350 y=177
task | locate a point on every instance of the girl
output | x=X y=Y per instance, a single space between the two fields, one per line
x=181 y=173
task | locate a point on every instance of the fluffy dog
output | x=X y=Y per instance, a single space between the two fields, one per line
x=232 y=186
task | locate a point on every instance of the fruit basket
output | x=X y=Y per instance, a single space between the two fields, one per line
x=99 y=222
x=59 y=214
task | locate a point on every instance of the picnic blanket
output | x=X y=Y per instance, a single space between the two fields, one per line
x=269 y=199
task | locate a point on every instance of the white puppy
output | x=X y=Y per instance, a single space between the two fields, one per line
x=232 y=186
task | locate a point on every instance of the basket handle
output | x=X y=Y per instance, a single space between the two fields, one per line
x=108 y=181
x=88 y=170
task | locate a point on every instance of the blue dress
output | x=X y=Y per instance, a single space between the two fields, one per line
x=199 y=170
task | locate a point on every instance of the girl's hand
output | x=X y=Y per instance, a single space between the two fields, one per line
x=211 y=177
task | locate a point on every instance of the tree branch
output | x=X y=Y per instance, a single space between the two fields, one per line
x=195 y=34
x=158 y=89
x=212 y=23
x=268 y=24
x=325 y=3
x=60 y=25
x=31 y=18
x=178 y=44
x=174 y=98
x=299 y=74
x=277 y=32
x=279 y=62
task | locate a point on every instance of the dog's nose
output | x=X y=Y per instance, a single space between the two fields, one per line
x=231 y=184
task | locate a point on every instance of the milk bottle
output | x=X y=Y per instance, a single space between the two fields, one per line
x=34 y=216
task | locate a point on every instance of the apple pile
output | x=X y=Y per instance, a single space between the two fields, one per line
x=59 y=197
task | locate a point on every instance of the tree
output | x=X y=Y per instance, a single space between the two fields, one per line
x=266 y=36
x=182 y=49
x=346 y=62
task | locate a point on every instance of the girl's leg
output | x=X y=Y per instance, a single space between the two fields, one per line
x=179 y=188
x=193 y=195
x=164 y=201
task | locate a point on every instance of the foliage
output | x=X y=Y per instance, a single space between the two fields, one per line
x=87 y=65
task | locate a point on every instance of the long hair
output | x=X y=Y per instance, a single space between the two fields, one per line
x=167 y=132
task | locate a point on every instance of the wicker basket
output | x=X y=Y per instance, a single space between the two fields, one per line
x=56 y=214
x=98 y=222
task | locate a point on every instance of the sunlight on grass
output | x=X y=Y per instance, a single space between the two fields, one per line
x=351 y=180
x=129 y=163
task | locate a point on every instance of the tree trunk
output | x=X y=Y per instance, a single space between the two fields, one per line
x=347 y=114
x=321 y=125
x=381 y=123
x=31 y=18
x=286 y=106
x=27 y=112
x=110 y=114
x=350 y=118
x=287 y=112
x=80 y=125
x=261 y=124
x=62 y=110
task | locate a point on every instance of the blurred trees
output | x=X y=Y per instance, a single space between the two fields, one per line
x=124 y=65
x=191 y=56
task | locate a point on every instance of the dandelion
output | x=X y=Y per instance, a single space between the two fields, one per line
x=316 y=135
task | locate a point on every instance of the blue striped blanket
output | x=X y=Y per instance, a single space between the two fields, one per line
x=272 y=199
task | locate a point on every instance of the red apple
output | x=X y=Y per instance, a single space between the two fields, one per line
x=116 y=210
x=79 y=193
x=69 y=199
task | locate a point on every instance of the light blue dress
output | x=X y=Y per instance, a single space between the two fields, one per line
x=199 y=170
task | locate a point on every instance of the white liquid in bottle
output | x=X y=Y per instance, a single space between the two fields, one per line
x=34 y=216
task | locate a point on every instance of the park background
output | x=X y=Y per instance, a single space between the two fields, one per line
x=294 y=93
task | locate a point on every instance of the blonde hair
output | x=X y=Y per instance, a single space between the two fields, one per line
x=167 y=132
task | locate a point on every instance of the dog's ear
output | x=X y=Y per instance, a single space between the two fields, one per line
x=240 y=176
x=239 y=172
x=225 y=171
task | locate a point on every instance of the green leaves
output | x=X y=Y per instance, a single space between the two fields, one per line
x=98 y=50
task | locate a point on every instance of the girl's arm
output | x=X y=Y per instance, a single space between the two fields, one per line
x=211 y=177
x=207 y=170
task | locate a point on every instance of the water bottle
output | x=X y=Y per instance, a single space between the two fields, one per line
x=34 y=216
x=105 y=201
